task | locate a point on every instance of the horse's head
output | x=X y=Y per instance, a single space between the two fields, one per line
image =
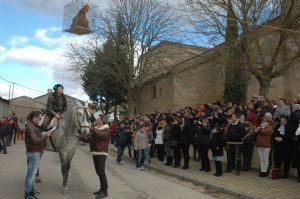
x=83 y=118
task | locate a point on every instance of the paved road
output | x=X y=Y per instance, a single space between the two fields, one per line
x=125 y=182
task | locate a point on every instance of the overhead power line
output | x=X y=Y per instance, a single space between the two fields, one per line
x=14 y=83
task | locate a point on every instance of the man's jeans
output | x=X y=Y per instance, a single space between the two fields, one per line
x=121 y=149
x=234 y=156
x=33 y=161
x=141 y=155
x=3 y=144
x=147 y=158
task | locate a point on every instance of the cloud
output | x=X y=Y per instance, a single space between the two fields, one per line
x=41 y=35
x=34 y=56
x=18 y=40
x=4 y=90
x=2 y=53
x=53 y=37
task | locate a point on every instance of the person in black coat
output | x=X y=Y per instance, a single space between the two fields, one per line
x=282 y=140
x=204 y=140
x=175 y=135
x=196 y=155
x=234 y=138
x=296 y=153
x=121 y=141
x=167 y=140
x=185 y=141
x=5 y=130
x=295 y=120
x=217 y=145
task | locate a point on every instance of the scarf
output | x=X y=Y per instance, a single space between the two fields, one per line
x=264 y=124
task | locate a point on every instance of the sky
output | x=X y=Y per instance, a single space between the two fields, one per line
x=33 y=48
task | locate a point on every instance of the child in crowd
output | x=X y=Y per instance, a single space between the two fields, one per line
x=140 y=145
x=217 y=144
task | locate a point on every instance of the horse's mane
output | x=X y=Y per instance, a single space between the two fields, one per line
x=69 y=122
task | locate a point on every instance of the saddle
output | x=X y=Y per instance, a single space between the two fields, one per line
x=48 y=122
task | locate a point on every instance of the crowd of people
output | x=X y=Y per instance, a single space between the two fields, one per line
x=11 y=128
x=231 y=129
x=234 y=129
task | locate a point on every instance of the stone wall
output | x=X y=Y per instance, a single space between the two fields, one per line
x=201 y=83
x=4 y=108
x=22 y=106
x=163 y=100
x=197 y=80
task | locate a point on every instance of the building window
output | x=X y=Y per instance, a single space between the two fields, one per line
x=160 y=91
x=154 y=92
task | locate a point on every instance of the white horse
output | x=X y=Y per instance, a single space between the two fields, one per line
x=64 y=140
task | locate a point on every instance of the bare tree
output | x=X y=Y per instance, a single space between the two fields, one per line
x=268 y=32
x=144 y=24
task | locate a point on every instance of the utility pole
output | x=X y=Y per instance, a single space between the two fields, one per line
x=9 y=91
x=13 y=89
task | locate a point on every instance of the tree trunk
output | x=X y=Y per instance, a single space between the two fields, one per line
x=264 y=87
x=235 y=77
x=235 y=84
x=131 y=103
x=115 y=112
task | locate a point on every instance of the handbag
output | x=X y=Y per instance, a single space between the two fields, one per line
x=174 y=142
x=276 y=174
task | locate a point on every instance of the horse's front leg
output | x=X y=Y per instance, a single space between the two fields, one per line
x=65 y=168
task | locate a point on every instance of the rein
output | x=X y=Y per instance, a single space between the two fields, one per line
x=52 y=144
x=86 y=117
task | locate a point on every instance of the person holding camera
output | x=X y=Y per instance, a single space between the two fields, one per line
x=203 y=131
x=185 y=140
x=174 y=137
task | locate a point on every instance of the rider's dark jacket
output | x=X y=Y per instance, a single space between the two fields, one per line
x=56 y=104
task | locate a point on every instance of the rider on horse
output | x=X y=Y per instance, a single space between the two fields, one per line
x=56 y=106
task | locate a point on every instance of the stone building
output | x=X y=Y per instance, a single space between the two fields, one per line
x=187 y=79
x=4 y=107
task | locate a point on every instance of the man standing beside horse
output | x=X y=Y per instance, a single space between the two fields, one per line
x=34 y=147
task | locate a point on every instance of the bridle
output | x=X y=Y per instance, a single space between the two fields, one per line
x=85 y=124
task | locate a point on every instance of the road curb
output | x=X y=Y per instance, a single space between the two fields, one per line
x=196 y=181
x=203 y=183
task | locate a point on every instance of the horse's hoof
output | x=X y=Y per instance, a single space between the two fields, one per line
x=65 y=190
